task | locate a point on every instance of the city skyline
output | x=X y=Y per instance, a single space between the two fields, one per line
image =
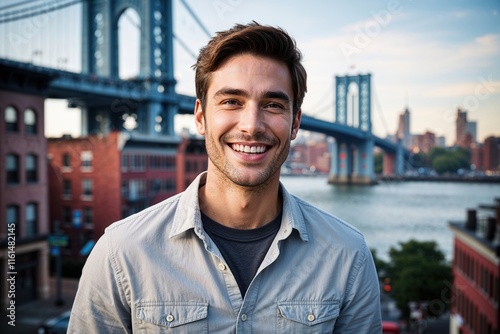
x=431 y=58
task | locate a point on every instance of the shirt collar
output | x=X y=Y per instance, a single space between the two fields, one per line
x=188 y=215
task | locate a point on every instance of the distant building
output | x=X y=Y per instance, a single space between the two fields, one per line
x=486 y=156
x=476 y=269
x=460 y=127
x=403 y=132
x=491 y=154
x=99 y=179
x=472 y=131
x=466 y=131
x=441 y=141
x=24 y=252
x=310 y=155
x=423 y=143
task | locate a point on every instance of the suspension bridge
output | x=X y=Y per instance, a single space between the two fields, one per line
x=69 y=49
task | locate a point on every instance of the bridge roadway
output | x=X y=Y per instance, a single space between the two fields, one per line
x=77 y=86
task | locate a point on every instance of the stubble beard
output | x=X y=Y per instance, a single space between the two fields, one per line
x=240 y=177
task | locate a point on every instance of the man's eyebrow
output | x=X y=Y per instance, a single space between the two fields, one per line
x=225 y=91
x=230 y=91
x=277 y=95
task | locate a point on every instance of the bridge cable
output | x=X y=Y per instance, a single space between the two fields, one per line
x=381 y=114
x=23 y=14
x=195 y=17
x=16 y=4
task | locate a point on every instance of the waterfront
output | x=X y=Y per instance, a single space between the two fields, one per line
x=392 y=211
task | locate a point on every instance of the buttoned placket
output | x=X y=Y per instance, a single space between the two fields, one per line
x=243 y=307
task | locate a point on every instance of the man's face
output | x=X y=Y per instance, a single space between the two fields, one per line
x=248 y=120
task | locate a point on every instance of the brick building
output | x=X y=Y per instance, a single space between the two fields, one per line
x=423 y=142
x=99 y=179
x=486 y=156
x=309 y=155
x=23 y=194
x=476 y=270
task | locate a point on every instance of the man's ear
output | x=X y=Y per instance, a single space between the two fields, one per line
x=296 y=124
x=199 y=119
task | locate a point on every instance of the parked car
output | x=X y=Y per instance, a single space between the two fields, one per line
x=56 y=325
x=390 y=327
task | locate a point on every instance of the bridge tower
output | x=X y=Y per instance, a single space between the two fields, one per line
x=352 y=162
x=156 y=70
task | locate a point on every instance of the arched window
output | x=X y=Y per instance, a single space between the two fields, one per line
x=66 y=160
x=30 y=121
x=11 y=119
x=12 y=168
x=31 y=168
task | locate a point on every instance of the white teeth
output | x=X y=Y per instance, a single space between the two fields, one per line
x=248 y=149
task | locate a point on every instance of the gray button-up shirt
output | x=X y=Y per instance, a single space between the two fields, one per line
x=159 y=272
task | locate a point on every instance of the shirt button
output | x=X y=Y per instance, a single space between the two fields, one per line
x=244 y=317
x=311 y=317
x=170 y=318
x=221 y=266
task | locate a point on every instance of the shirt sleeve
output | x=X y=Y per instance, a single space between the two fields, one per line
x=360 y=312
x=100 y=304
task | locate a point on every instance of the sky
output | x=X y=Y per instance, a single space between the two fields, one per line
x=431 y=57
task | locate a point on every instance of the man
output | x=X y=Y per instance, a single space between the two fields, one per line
x=235 y=252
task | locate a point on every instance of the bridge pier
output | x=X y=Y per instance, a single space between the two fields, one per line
x=393 y=163
x=363 y=172
x=352 y=164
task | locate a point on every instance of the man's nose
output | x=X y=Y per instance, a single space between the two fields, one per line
x=251 y=120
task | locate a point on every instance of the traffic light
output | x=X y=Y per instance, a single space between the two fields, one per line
x=387 y=285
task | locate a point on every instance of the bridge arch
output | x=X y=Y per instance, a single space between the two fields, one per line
x=100 y=58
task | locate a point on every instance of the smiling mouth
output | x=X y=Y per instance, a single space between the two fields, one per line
x=257 y=149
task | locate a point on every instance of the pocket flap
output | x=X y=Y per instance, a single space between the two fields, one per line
x=171 y=314
x=309 y=312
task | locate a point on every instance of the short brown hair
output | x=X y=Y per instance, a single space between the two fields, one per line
x=255 y=39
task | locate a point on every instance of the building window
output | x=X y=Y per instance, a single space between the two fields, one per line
x=124 y=161
x=136 y=189
x=13 y=219
x=87 y=187
x=68 y=217
x=67 y=188
x=137 y=162
x=87 y=215
x=66 y=160
x=86 y=159
x=12 y=167
x=31 y=219
x=11 y=119
x=30 y=121
x=31 y=168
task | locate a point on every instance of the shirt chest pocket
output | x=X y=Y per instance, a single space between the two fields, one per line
x=171 y=317
x=307 y=316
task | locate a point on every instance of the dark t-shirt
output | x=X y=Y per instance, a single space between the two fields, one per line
x=243 y=250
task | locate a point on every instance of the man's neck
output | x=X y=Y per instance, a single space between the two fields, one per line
x=240 y=207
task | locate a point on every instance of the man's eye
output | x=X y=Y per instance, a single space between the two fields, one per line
x=230 y=102
x=273 y=105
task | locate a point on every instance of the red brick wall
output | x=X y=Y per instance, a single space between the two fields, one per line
x=22 y=144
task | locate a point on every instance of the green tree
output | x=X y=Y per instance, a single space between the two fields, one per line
x=419 y=273
x=446 y=163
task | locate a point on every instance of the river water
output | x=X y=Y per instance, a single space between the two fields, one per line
x=393 y=212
